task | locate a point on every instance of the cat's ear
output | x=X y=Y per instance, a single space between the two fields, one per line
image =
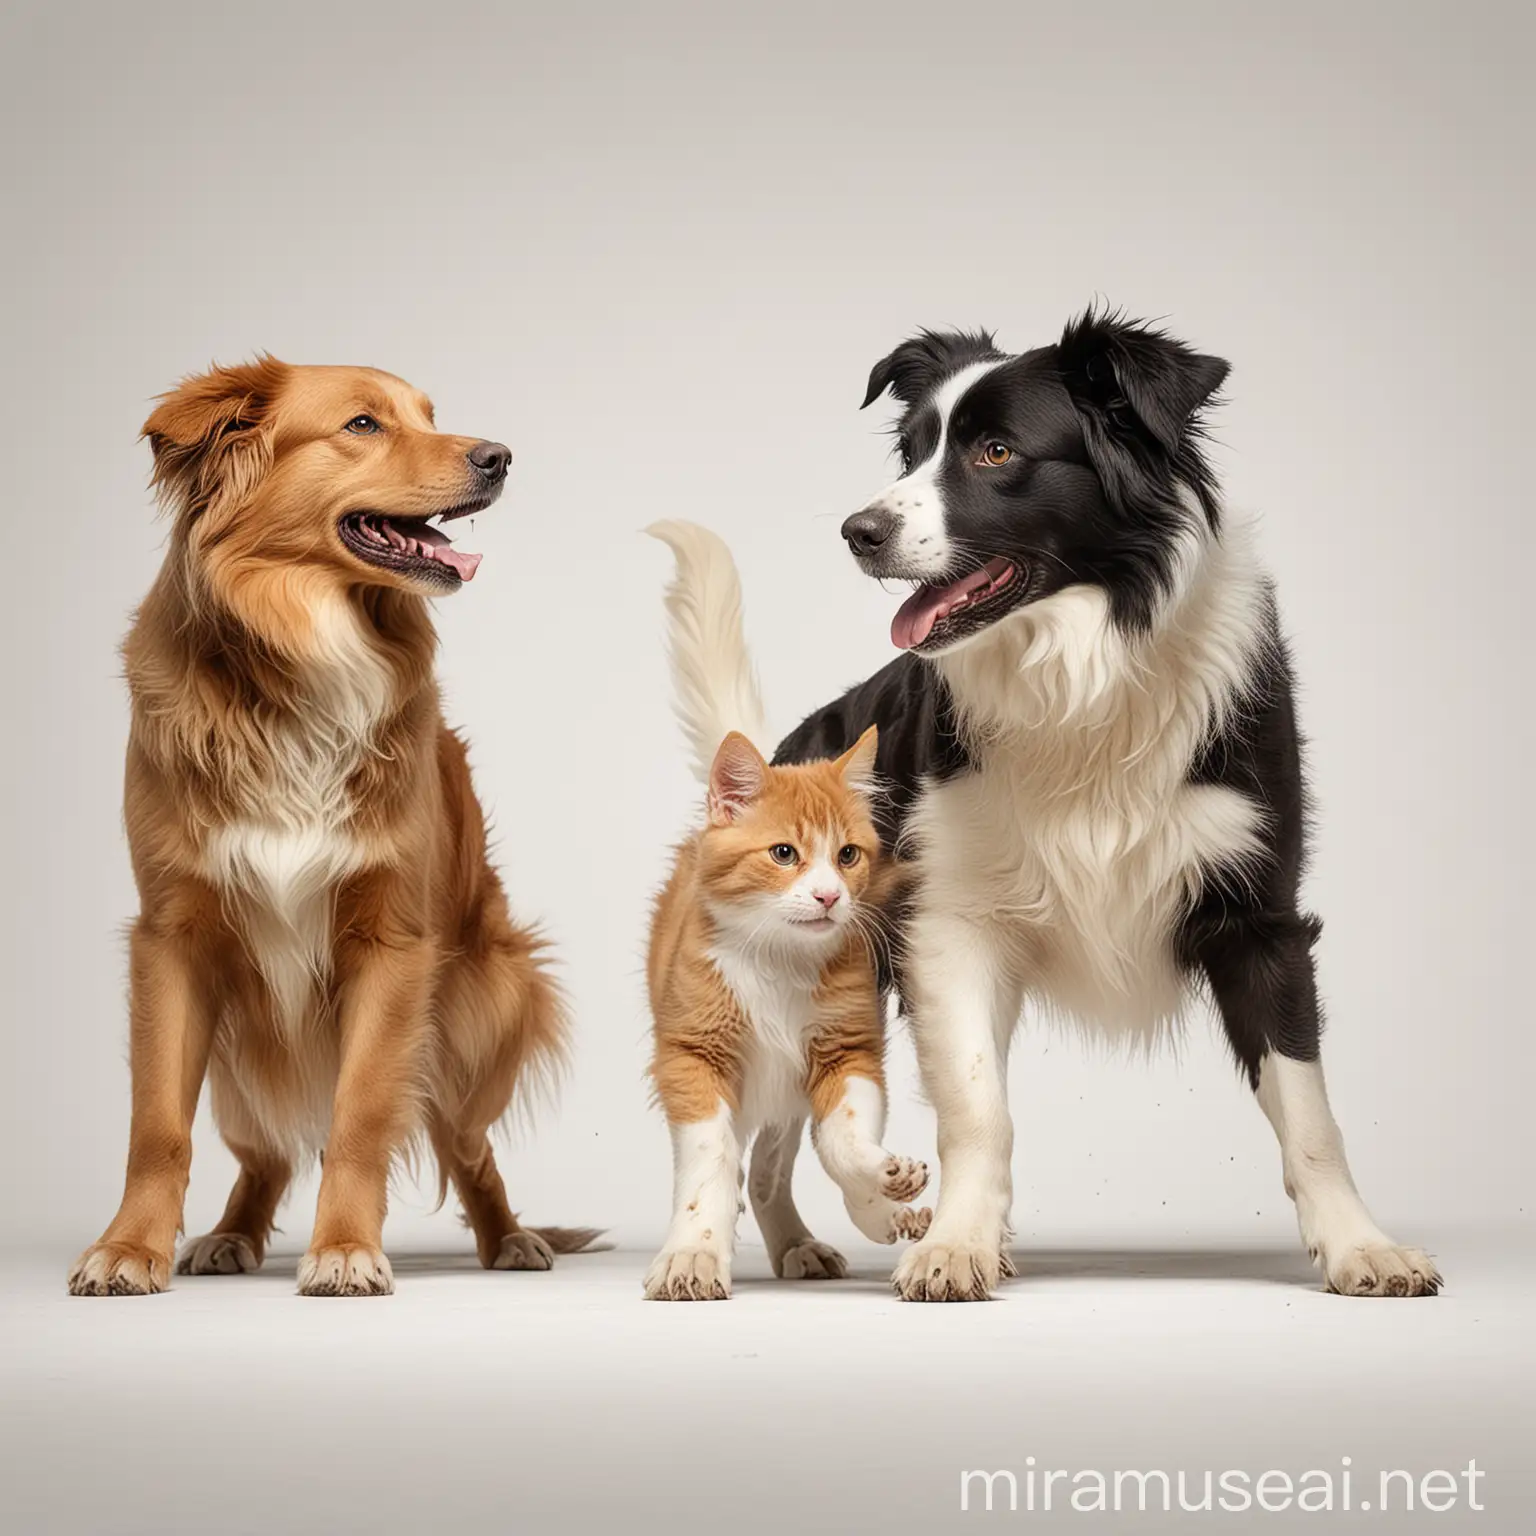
x=857 y=764
x=736 y=779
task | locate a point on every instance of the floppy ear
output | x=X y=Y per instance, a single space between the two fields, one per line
x=857 y=764
x=736 y=779
x=211 y=435
x=1120 y=369
x=917 y=365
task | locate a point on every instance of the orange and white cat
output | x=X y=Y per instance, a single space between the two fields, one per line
x=761 y=969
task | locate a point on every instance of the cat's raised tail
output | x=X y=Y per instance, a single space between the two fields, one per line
x=712 y=673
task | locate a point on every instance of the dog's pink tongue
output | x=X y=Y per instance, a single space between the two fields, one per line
x=435 y=540
x=917 y=616
x=463 y=562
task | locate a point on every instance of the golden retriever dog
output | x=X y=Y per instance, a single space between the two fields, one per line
x=320 y=932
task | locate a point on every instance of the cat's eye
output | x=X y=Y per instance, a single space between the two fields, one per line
x=848 y=856
x=782 y=853
x=996 y=454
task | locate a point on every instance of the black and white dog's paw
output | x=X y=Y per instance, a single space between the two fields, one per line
x=1379 y=1268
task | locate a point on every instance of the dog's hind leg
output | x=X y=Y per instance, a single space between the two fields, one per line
x=238 y=1243
x=1355 y=1255
x=500 y=1016
x=1261 y=972
x=501 y=1241
x=793 y=1252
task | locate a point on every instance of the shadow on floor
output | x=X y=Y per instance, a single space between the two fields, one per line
x=411 y=1261
x=1285 y=1265
x=1280 y=1265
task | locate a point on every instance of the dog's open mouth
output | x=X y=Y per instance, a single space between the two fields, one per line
x=410 y=545
x=939 y=615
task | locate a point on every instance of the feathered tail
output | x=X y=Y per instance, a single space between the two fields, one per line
x=716 y=686
x=572 y=1239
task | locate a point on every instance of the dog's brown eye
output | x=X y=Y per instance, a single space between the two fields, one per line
x=848 y=856
x=782 y=853
x=996 y=454
x=362 y=425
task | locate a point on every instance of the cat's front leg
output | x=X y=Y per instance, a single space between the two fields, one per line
x=695 y=1261
x=877 y=1186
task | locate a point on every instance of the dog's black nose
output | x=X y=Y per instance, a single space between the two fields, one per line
x=491 y=459
x=866 y=531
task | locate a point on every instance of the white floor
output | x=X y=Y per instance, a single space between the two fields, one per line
x=481 y=1401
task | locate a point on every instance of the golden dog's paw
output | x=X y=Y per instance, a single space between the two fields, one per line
x=219 y=1253
x=688 y=1274
x=947 y=1272
x=524 y=1250
x=1381 y=1269
x=351 y=1269
x=120 y=1269
x=810 y=1260
x=903 y=1179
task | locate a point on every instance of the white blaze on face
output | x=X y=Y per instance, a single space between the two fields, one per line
x=808 y=898
x=921 y=543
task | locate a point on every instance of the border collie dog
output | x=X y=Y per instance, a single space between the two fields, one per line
x=1092 y=757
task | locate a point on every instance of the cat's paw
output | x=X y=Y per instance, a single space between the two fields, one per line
x=688 y=1274
x=911 y=1224
x=810 y=1260
x=884 y=1221
x=903 y=1179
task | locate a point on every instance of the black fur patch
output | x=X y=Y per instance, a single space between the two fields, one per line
x=919 y=741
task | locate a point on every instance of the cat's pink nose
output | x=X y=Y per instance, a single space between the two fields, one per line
x=828 y=899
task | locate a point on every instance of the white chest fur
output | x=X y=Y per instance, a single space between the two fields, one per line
x=1079 y=840
x=1088 y=896
x=778 y=1001
x=280 y=879
x=280 y=862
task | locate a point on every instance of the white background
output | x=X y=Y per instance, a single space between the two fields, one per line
x=658 y=259
x=656 y=249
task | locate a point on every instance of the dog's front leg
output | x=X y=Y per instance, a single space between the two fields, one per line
x=965 y=992
x=383 y=997
x=171 y=1030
